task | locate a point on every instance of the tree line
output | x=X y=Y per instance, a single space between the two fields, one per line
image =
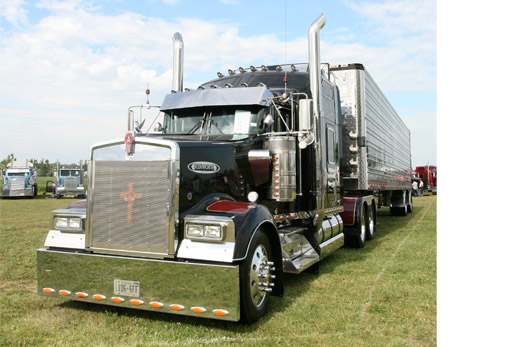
x=44 y=166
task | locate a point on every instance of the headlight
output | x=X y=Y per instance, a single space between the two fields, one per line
x=204 y=232
x=194 y=230
x=68 y=223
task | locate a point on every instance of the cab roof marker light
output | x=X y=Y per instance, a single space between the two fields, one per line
x=177 y=307
x=81 y=295
x=48 y=290
x=99 y=297
x=197 y=309
x=220 y=75
x=252 y=68
x=220 y=312
x=241 y=69
x=156 y=304
x=230 y=72
x=117 y=299
x=264 y=68
x=64 y=292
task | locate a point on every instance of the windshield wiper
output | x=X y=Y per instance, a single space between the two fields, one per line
x=211 y=121
x=195 y=127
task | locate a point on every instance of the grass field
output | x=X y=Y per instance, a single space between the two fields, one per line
x=383 y=294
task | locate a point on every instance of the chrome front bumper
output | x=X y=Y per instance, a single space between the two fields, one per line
x=201 y=290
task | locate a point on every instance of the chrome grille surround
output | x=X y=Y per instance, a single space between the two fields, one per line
x=132 y=206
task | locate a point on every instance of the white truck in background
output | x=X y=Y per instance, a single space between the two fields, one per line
x=20 y=179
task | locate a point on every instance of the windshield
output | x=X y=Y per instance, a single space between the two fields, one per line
x=17 y=174
x=67 y=173
x=239 y=121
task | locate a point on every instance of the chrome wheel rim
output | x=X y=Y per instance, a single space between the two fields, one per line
x=371 y=223
x=363 y=228
x=259 y=275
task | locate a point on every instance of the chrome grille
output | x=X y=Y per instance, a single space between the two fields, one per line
x=18 y=183
x=130 y=205
x=70 y=183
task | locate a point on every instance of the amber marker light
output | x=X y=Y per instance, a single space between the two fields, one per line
x=48 y=290
x=99 y=297
x=176 y=307
x=220 y=312
x=64 y=292
x=198 y=309
x=81 y=295
x=117 y=300
x=136 y=302
x=156 y=304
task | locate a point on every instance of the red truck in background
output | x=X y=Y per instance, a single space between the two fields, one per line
x=428 y=175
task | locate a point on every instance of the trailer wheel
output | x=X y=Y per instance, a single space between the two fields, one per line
x=255 y=278
x=402 y=208
x=371 y=223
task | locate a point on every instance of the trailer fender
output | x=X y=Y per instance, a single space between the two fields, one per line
x=354 y=211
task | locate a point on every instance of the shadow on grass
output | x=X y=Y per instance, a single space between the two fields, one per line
x=295 y=285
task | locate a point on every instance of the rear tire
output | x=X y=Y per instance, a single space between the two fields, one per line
x=409 y=207
x=255 y=272
x=359 y=240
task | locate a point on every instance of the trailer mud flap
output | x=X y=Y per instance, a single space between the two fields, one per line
x=201 y=290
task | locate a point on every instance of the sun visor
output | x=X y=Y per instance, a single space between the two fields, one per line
x=216 y=97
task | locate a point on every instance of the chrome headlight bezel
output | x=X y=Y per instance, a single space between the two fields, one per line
x=209 y=228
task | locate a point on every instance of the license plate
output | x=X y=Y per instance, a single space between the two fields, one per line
x=126 y=288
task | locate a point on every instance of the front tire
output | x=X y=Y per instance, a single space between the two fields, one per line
x=255 y=278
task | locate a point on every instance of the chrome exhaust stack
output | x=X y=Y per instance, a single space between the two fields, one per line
x=314 y=61
x=178 y=60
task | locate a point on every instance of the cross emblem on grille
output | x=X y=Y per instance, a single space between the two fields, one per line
x=130 y=196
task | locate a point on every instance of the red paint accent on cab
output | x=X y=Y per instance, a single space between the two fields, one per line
x=229 y=206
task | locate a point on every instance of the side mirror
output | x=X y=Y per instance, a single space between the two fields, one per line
x=158 y=127
x=305 y=114
x=305 y=123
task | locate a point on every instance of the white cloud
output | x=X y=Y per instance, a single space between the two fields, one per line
x=13 y=12
x=80 y=69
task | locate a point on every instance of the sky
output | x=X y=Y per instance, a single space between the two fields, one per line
x=69 y=70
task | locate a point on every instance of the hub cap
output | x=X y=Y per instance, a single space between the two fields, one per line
x=259 y=276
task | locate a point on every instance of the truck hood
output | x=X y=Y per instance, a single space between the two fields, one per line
x=208 y=167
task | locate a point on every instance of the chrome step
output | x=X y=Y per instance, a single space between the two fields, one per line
x=298 y=254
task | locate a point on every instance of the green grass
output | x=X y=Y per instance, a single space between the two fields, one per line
x=383 y=294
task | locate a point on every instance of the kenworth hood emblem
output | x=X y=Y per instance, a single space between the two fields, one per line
x=203 y=167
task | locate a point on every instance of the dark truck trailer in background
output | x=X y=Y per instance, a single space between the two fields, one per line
x=259 y=173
